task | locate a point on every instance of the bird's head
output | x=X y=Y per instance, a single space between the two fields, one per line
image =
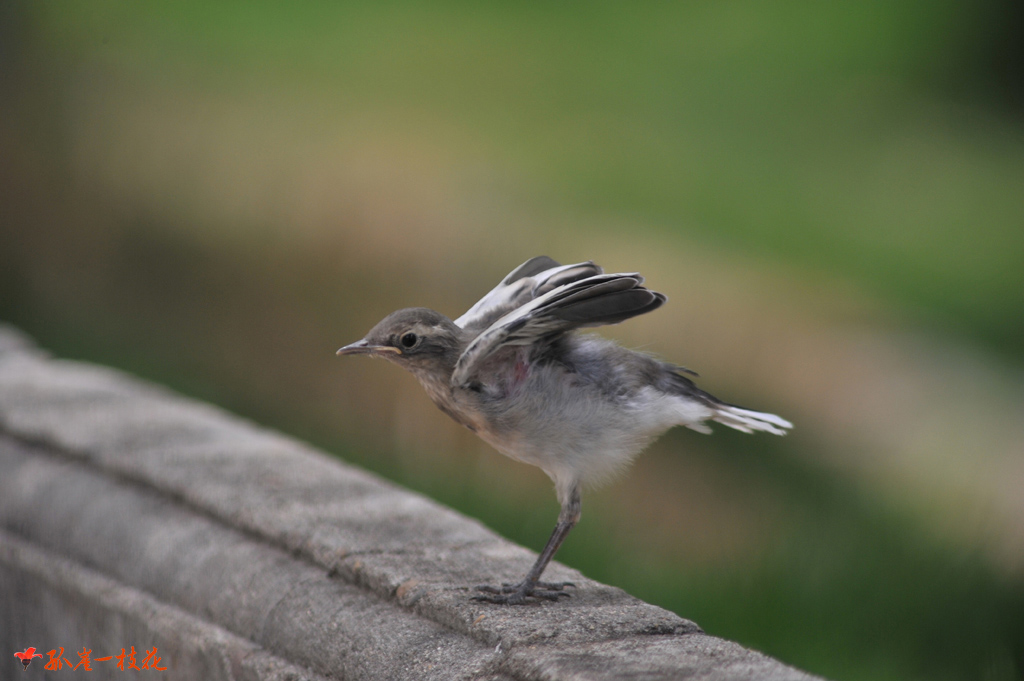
x=416 y=338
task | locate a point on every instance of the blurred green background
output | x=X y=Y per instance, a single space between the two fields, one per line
x=216 y=196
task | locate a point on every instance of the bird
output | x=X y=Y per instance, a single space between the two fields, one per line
x=26 y=657
x=516 y=370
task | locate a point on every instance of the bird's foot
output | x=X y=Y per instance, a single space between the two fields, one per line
x=518 y=594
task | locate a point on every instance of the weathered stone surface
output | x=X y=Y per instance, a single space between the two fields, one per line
x=49 y=602
x=119 y=499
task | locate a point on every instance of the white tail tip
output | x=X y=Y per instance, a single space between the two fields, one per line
x=751 y=421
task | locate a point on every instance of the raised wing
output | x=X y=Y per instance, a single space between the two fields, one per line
x=594 y=301
x=533 y=278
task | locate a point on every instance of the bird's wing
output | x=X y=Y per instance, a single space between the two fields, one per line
x=533 y=278
x=594 y=301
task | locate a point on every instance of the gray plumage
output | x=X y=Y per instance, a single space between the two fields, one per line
x=514 y=370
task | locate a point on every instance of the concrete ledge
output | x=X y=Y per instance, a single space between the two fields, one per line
x=131 y=516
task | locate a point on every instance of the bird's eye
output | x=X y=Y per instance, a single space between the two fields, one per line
x=408 y=340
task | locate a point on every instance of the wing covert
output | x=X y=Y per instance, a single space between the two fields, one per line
x=533 y=278
x=594 y=301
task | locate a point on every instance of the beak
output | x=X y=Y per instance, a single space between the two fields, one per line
x=364 y=348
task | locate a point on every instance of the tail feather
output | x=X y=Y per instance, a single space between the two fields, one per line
x=750 y=421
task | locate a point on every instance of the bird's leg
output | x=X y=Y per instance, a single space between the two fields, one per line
x=531 y=586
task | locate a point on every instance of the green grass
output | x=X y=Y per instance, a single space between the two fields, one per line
x=830 y=137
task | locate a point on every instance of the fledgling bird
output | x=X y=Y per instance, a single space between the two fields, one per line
x=513 y=370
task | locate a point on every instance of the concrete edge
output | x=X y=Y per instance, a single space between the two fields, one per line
x=405 y=551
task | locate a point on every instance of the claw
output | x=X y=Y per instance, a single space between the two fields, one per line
x=507 y=588
x=488 y=588
x=518 y=598
x=518 y=594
